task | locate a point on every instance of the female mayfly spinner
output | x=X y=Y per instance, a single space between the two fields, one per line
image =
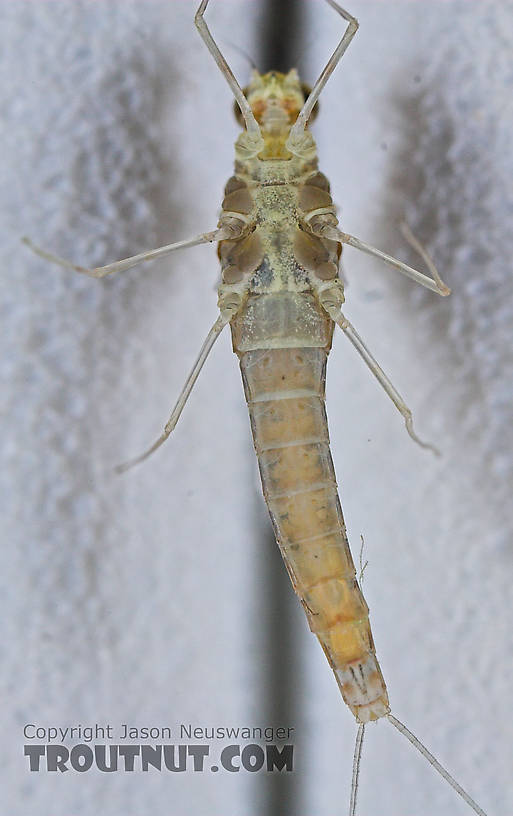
x=279 y=245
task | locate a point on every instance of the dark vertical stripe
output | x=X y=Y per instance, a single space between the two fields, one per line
x=279 y=49
x=280 y=35
x=281 y=633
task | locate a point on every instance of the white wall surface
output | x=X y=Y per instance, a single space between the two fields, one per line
x=139 y=598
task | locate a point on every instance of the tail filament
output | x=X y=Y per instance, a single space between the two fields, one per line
x=436 y=765
x=356 y=768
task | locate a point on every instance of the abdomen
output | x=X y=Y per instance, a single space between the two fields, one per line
x=283 y=342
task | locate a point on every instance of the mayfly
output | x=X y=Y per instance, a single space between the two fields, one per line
x=279 y=245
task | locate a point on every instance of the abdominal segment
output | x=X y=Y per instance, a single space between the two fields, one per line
x=285 y=394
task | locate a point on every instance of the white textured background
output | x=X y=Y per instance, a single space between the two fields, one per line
x=139 y=599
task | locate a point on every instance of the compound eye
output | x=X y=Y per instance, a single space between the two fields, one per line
x=306 y=93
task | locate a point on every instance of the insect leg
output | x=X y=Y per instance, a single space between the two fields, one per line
x=436 y=283
x=221 y=234
x=351 y=333
x=299 y=125
x=252 y=125
x=212 y=336
x=230 y=300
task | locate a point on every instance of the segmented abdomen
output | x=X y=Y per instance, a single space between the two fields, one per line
x=283 y=341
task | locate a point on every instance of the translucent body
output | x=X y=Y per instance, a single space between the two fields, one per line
x=282 y=335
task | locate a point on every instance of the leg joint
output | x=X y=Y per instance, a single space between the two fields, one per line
x=200 y=12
